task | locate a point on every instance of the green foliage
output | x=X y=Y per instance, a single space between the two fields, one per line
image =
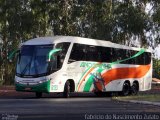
x=156 y=68
x=121 y=21
x=156 y=19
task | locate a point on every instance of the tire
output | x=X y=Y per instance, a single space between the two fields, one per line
x=67 y=89
x=126 y=89
x=134 y=89
x=38 y=94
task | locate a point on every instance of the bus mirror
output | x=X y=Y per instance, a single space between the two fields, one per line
x=51 y=53
x=12 y=55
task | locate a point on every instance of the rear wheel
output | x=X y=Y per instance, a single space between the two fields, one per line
x=67 y=90
x=38 y=94
x=134 y=89
x=126 y=89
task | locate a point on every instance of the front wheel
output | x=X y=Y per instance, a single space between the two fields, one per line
x=67 y=90
x=38 y=94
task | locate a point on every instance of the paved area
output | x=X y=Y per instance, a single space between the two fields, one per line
x=81 y=106
x=61 y=108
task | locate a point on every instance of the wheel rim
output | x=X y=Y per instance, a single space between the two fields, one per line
x=125 y=89
x=68 y=89
x=134 y=89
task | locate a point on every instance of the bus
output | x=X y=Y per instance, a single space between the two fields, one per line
x=65 y=64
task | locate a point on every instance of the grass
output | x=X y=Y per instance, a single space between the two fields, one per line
x=147 y=97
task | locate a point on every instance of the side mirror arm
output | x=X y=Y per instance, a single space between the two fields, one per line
x=52 y=52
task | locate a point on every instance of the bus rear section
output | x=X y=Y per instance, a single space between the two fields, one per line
x=103 y=69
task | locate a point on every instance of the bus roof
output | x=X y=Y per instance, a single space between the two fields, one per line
x=73 y=39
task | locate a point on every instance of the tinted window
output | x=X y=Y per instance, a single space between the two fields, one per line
x=81 y=52
x=92 y=53
x=61 y=56
x=78 y=53
x=64 y=46
x=105 y=54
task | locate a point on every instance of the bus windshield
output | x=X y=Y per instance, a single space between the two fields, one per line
x=33 y=60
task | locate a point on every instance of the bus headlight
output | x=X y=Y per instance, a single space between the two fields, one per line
x=42 y=81
x=16 y=81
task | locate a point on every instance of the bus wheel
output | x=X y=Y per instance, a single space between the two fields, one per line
x=38 y=94
x=67 y=90
x=134 y=89
x=126 y=89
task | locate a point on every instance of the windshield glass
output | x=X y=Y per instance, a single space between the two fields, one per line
x=33 y=60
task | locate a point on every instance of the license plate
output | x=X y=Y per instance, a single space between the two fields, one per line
x=27 y=88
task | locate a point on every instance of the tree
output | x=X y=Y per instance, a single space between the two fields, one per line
x=131 y=22
x=9 y=24
x=120 y=21
x=156 y=19
x=20 y=20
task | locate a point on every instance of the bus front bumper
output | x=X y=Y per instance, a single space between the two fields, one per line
x=42 y=87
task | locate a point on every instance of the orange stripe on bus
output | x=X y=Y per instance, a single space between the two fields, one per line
x=125 y=73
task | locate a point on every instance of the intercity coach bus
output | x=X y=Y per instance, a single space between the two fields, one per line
x=65 y=64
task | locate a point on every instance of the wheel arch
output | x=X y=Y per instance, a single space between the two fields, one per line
x=127 y=81
x=72 y=84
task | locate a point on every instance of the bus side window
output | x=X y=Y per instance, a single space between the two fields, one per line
x=74 y=54
x=140 y=59
x=113 y=55
x=134 y=60
x=147 y=58
x=131 y=61
x=144 y=58
x=122 y=55
x=119 y=54
x=92 y=53
x=106 y=53
x=61 y=56
x=78 y=53
x=128 y=56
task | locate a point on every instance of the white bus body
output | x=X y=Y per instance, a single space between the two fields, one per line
x=88 y=65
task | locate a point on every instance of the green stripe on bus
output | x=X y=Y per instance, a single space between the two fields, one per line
x=90 y=82
x=82 y=77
